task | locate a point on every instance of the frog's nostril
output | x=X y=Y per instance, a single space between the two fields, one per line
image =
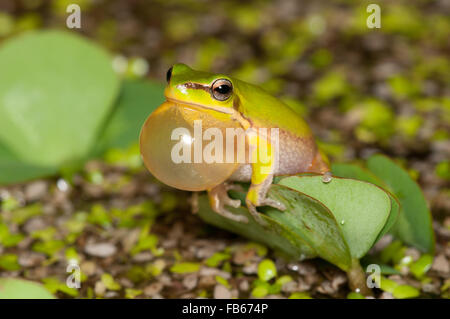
x=169 y=74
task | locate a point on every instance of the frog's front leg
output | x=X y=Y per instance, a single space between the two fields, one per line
x=218 y=198
x=264 y=155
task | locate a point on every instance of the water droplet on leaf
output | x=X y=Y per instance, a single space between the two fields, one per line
x=327 y=177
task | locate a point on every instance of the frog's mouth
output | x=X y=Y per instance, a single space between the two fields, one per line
x=224 y=110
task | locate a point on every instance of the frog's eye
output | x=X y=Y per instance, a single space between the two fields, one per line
x=169 y=74
x=222 y=89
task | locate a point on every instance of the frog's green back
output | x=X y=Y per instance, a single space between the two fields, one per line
x=265 y=110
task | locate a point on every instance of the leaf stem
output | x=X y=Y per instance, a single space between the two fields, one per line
x=357 y=279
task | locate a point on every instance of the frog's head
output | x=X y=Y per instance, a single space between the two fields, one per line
x=200 y=89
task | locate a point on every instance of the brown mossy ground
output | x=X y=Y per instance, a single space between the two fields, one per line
x=361 y=90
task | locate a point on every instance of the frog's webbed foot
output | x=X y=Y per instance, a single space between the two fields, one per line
x=257 y=196
x=218 y=197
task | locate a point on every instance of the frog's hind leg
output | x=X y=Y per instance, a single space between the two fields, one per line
x=218 y=198
x=257 y=196
x=264 y=164
x=320 y=163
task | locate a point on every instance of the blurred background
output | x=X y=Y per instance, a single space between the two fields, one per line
x=361 y=90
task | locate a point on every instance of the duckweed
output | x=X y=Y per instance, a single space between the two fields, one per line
x=109 y=282
x=216 y=259
x=54 y=285
x=355 y=295
x=223 y=281
x=131 y=293
x=9 y=262
x=420 y=267
x=267 y=270
x=49 y=248
x=7 y=239
x=405 y=291
x=260 y=291
x=261 y=250
x=388 y=285
x=21 y=215
x=300 y=295
x=185 y=267
x=283 y=280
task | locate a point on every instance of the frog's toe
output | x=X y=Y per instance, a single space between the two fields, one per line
x=236 y=203
x=273 y=203
x=256 y=215
x=234 y=187
x=238 y=218
x=219 y=198
x=221 y=210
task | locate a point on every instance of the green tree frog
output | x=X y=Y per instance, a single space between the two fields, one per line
x=219 y=103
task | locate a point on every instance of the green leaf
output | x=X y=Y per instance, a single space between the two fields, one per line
x=12 y=170
x=276 y=236
x=137 y=100
x=414 y=225
x=56 y=90
x=305 y=230
x=393 y=216
x=357 y=172
x=348 y=200
x=313 y=222
x=12 y=288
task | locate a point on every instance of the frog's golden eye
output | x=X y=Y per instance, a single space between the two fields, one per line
x=221 y=89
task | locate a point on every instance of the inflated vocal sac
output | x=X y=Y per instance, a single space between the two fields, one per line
x=177 y=142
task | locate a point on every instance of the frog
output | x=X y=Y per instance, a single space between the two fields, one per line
x=240 y=104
